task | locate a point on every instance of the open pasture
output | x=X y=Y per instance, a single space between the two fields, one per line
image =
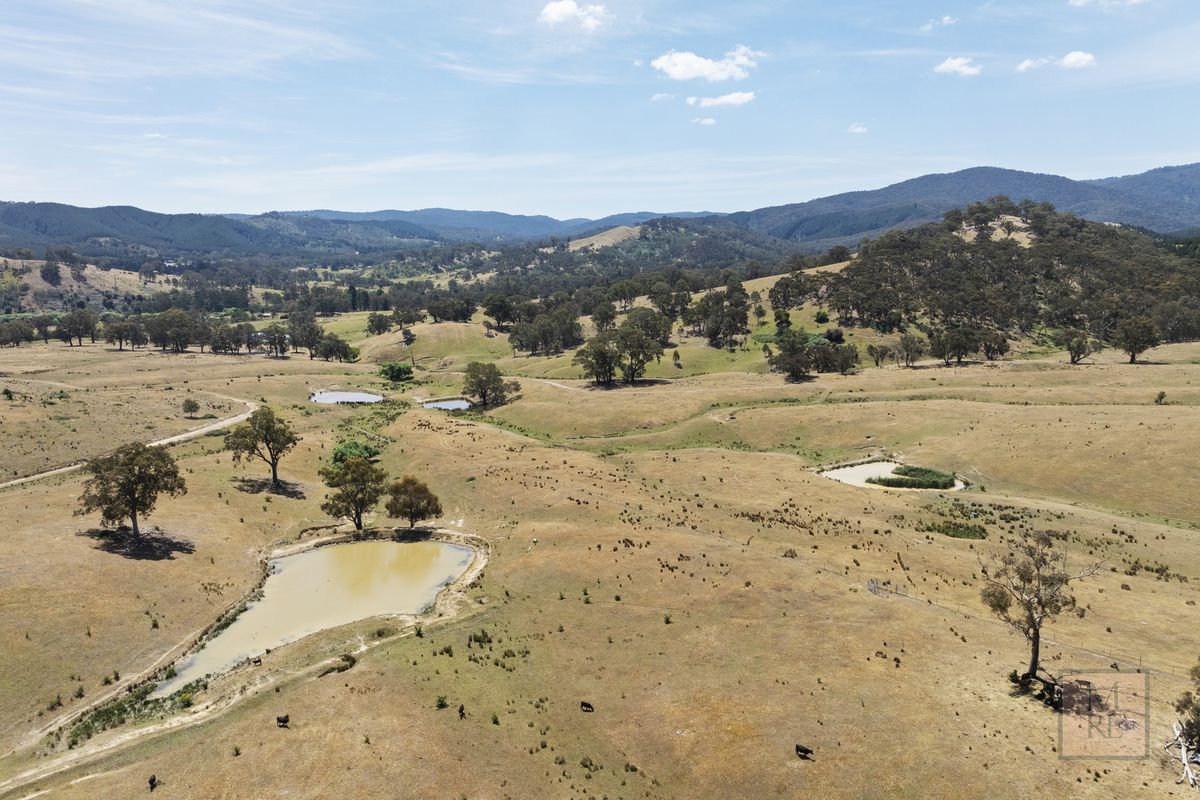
x=644 y=543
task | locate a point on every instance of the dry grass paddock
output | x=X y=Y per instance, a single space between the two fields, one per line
x=692 y=578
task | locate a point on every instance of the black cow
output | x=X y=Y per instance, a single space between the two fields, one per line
x=282 y=721
x=586 y=706
x=153 y=782
x=804 y=752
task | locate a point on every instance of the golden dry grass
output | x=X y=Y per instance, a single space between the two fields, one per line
x=606 y=238
x=681 y=499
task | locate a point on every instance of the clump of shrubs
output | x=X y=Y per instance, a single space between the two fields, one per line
x=960 y=530
x=906 y=477
x=352 y=448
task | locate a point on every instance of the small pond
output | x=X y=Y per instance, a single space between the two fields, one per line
x=453 y=404
x=344 y=397
x=325 y=588
x=857 y=475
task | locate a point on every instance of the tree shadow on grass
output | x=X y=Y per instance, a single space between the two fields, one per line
x=151 y=545
x=293 y=491
x=618 y=384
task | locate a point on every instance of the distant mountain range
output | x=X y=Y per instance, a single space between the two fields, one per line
x=1164 y=200
x=490 y=225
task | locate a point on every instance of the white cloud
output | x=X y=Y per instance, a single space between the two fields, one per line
x=1033 y=63
x=661 y=96
x=704 y=121
x=958 y=65
x=1074 y=60
x=944 y=22
x=731 y=99
x=1077 y=60
x=589 y=17
x=686 y=66
x=857 y=128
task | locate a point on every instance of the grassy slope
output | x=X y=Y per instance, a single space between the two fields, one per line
x=762 y=651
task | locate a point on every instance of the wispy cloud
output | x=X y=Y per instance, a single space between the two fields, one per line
x=857 y=128
x=704 y=121
x=528 y=73
x=1076 y=59
x=686 y=66
x=731 y=99
x=659 y=97
x=944 y=22
x=132 y=39
x=959 y=65
x=1034 y=63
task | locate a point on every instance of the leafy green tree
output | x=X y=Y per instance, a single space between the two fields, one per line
x=126 y=485
x=994 y=344
x=303 y=330
x=879 y=353
x=1078 y=345
x=79 y=323
x=396 y=371
x=485 y=383
x=501 y=309
x=275 y=338
x=626 y=291
x=191 y=407
x=358 y=484
x=123 y=331
x=794 y=356
x=1176 y=322
x=412 y=500
x=1028 y=586
x=1135 y=336
x=51 y=273
x=954 y=344
x=911 y=348
x=635 y=350
x=604 y=316
x=722 y=315
x=336 y=348
x=264 y=436
x=599 y=358
x=378 y=323
x=654 y=324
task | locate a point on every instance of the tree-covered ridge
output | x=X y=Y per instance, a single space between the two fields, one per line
x=1073 y=274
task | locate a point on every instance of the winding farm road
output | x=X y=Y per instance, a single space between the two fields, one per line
x=220 y=424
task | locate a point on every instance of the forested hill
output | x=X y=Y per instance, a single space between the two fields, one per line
x=1019 y=269
x=1162 y=200
x=495 y=226
x=125 y=231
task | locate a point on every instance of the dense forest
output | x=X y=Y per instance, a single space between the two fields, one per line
x=1073 y=274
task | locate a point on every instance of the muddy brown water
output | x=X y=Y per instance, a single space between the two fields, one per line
x=325 y=588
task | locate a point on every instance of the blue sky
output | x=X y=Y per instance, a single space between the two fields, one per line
x=576 y=108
